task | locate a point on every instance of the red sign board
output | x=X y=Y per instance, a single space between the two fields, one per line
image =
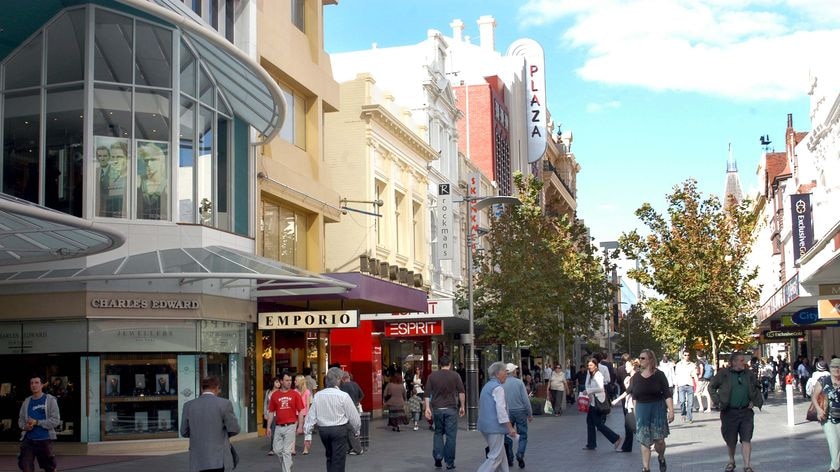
x=414 y=328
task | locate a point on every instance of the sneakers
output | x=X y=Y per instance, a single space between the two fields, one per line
x=450 y=466
x=438 y=463
x=521 y=461
x=416 y=428
x=354 y=453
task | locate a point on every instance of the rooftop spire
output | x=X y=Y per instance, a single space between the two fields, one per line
x=731 y=165
x=733 y=181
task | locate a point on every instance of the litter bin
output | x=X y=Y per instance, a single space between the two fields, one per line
x=364 y=432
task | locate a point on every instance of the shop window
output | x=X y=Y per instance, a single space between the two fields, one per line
x=204 y=166
x=154 y=56
x=186 y=161
x=294 y=126
x=379 y=191
x=24 y=68
x=188 y=71
x=222 y=211
x=284 y=234
x=151 y=115
x=21 y=144
x=63 y=186
x=112 y=144
x=66 y=48
x=152 y=180
x=113 y=56
x=207 y=92
x=139 y=397
x=399 y=224
x=417 y=225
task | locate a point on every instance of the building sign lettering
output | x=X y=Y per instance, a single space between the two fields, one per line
x=414 y=328
x=782 y=334
x=444 y=232
x=535 y=94
x=309 y=319
x=142 y=304
x=803 y=226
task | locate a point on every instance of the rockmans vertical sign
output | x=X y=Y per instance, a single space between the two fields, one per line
x=802 y=227
x=534 y=79
x=444 y=233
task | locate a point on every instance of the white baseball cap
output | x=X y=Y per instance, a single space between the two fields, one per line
x=511 y=368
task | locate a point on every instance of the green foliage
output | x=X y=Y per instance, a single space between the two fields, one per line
x=535 y=268
x=640 y=334
x=695 y=258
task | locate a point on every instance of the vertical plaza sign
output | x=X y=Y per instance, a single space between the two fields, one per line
x=534 y=79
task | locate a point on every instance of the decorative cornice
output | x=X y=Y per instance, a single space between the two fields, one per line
x=382 y=116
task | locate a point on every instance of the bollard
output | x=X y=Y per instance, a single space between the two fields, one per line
x=789 y=395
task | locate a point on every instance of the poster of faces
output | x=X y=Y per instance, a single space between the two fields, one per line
x=152 y=180
x=112 y=157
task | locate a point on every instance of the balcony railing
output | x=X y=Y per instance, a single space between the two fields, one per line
x=549 y=167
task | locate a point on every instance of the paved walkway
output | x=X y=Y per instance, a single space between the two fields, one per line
x=555 y=443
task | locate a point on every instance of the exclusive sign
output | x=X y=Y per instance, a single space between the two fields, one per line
x=309 y=319
x=803 y=227
x=784 y=334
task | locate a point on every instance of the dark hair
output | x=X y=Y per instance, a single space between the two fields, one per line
x=285 y=373
x=307 y=371
x=598 y=356
x=211 y=382
x=41 y=377
x=444 y=361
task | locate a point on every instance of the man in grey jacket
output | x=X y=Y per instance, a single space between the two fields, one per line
x=520 y=414
x=209 y=421
x=37 y=421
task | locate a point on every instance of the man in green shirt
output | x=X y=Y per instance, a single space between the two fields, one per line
x=737 y=391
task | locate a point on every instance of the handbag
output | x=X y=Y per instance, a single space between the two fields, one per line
x=583 y=402
x=602 y=407
x=811 y=414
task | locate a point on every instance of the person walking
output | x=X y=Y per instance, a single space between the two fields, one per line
x=302 y=387
x=829 y=385
x=333 y=411
x=667 y=368
x=594 y=418
x=37 y=420
x=821 y=371
x=557 y=389
x=493 y=420
x=654 y=407
x=269 y=427
x=285 y=414
x=627 y=403
x=685 y=376
x=702 y=390
x=520 y=414
x=208 y=421
x=804 y=372
x=395 y=401
x=445 y=401
x=735 y=389
x=415 y=408
x=351 y=388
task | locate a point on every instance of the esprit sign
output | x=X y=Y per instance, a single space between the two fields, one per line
x=309 y=319
x=437 y=308
x=414 y=328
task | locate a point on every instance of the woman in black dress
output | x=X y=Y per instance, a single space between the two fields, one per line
x=654 y=408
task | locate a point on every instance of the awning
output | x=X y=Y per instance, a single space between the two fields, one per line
x=33 y=233
x=370 y=295
x=191 y=265
x=253 y=94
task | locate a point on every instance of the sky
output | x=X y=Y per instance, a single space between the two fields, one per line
x=653 y=91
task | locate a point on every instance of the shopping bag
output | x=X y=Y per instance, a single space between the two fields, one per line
x=548 y=409
x=583 y=403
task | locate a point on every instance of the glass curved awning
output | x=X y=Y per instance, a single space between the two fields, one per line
x=191 y=265
x=251 y=91
x=32 y=233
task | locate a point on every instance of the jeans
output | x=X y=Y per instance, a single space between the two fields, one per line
x=446 y=423
x=42 y=450
x=686 y=401
x=519 y=418
x=595 y=420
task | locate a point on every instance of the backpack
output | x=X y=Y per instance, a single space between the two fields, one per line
x=708 y=372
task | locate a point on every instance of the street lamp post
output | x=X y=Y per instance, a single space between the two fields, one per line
x=472 y=361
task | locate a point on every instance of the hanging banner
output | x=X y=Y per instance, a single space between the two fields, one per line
x=445 y=230
x=535 y=106
x=803 y=225
x=474 y=189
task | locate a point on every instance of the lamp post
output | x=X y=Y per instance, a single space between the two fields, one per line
x=472 y=361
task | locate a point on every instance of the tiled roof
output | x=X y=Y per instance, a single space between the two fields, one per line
x=777 y=165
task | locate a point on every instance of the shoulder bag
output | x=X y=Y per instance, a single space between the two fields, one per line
x=602 y=407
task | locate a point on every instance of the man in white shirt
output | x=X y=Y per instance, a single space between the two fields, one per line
x=685 y=375
x=332 y=410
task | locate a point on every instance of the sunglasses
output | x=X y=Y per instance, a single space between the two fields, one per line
x=642 y=358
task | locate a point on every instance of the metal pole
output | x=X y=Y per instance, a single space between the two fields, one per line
x=472 y=361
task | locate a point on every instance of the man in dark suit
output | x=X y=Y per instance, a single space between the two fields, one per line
x=209 y=421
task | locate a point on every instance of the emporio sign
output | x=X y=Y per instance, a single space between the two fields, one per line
x=309 y=319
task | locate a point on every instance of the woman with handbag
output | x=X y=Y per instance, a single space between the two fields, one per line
x=395 y=401
x=654 y=408
x=826 y=401
x=599 y=408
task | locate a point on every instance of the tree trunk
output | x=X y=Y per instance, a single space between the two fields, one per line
x=714 y=350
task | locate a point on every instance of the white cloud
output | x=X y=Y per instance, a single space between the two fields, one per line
x=748 y=49
x=593 y=107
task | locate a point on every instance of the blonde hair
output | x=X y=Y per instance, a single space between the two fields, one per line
x=651 y=357
x=300 y=383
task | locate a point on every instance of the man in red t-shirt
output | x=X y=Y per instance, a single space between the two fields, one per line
x=285 y=413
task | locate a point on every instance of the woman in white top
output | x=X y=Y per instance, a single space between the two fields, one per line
x=557 y=389
x=594 y=419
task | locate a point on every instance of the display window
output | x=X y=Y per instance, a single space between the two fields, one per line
x=61 y=377
x=139 y=396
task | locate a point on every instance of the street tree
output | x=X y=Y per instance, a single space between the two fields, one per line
x=695 y=258
x=635 y=332
x=539 y=278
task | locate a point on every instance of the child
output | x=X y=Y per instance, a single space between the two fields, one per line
x=415 y=406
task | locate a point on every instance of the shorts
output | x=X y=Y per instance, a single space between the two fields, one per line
x=702 y=386
x=735 y=424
